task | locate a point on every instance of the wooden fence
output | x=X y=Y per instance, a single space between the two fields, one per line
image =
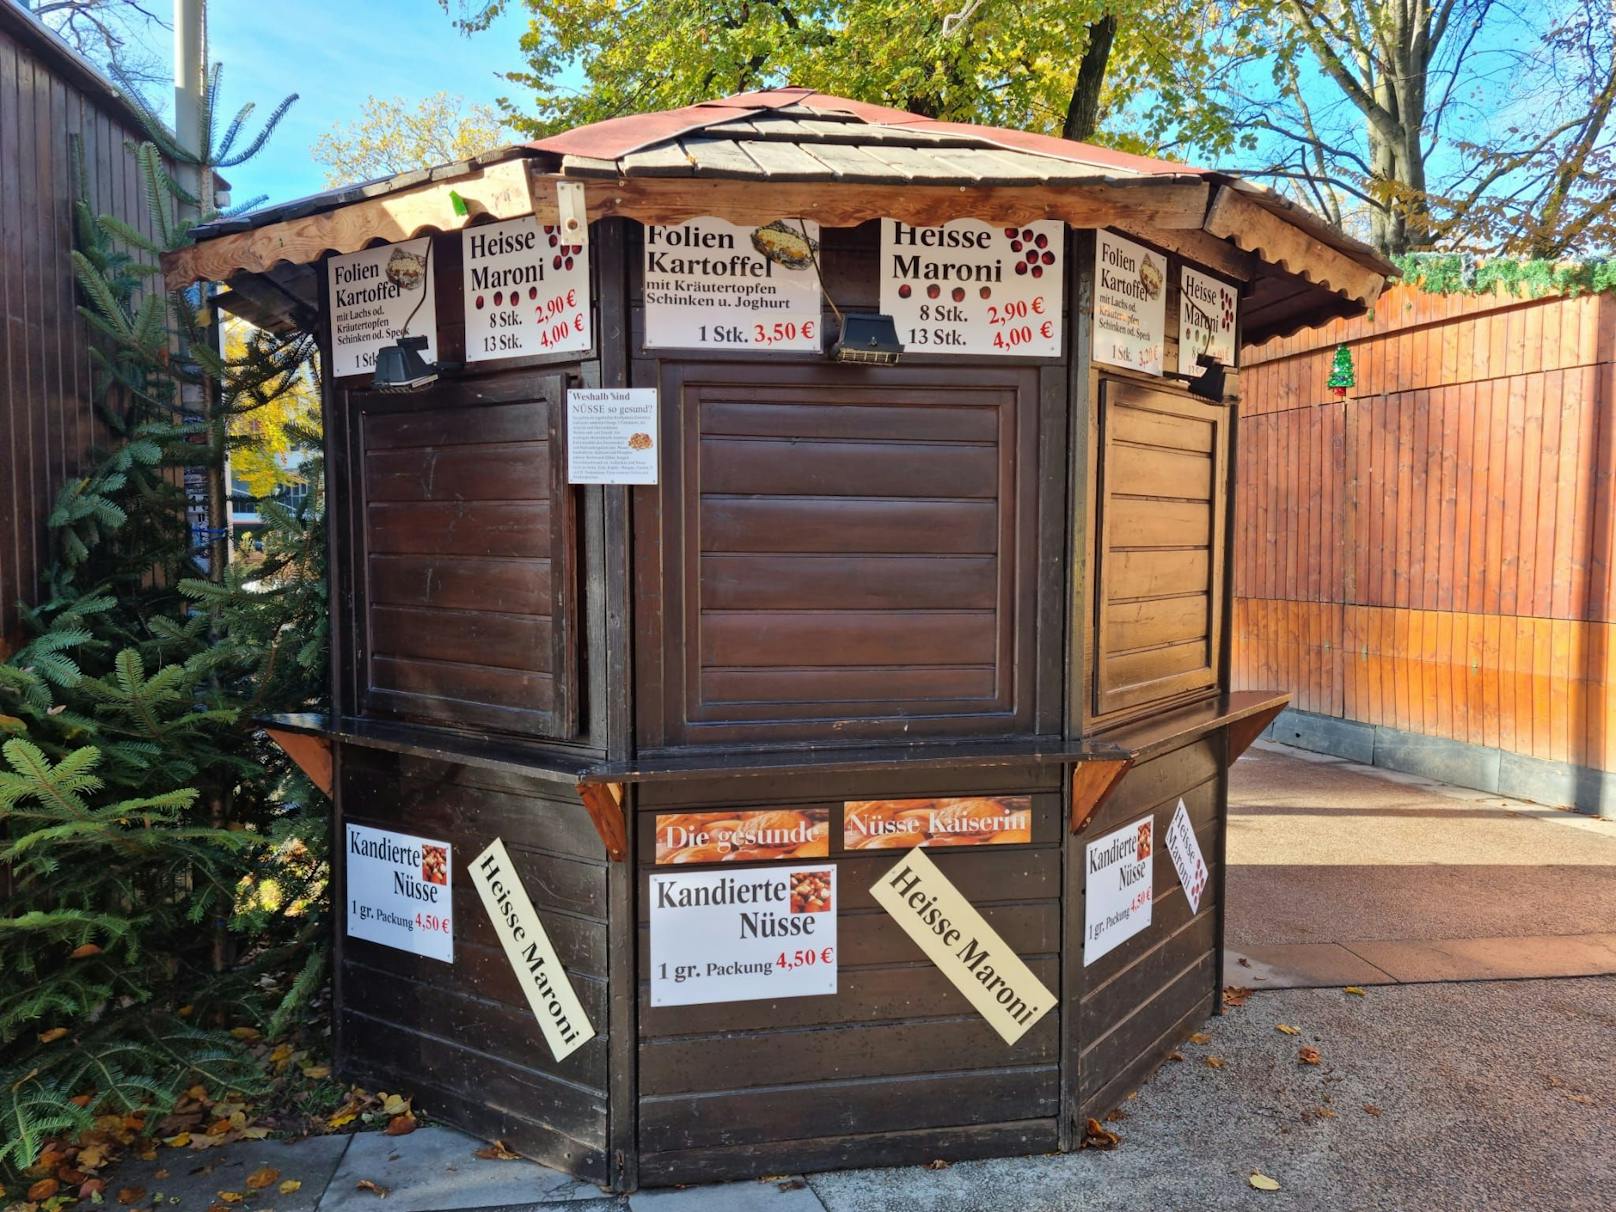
x=1434 y=553
x=48 y=98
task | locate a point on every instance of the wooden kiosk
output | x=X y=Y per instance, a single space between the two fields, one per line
x=683 y=582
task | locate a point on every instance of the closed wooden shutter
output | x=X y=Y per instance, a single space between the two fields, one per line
x=463 y=568
x=1159 y=575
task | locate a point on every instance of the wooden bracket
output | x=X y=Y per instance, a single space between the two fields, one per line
x=605 y=804
x=311 y=753
x=1242 y=732
x=1092 y=784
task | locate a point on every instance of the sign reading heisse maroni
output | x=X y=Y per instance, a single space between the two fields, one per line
x=526 y=945
x=960 y=942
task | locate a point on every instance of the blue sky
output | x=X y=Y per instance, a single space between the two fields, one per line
x=334 y=54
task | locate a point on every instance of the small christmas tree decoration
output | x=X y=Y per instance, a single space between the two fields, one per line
x=1341 y=373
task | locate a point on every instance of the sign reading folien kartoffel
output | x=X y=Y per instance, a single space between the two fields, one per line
x=711 y=284
x=1120 y=887
x=530 y=953
x=526 y=293
x=733 y=936
x=969 y=288
x=958 y=939
x=400 y=892
x=1130 y=304
x=373 y=294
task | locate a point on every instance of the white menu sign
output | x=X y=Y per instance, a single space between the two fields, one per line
x=710 y=284
x=1186 y=855
x=401 y=892
x=1117 y=899
x=612 y=435
x=526 y=293
x=969 y=288
x=1130 y=304
x=1206 y=311
x=372 y=295
x=736 y=936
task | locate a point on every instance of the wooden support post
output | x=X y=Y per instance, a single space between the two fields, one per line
x=1092 y=784
x=605 y=804
x=311 y=753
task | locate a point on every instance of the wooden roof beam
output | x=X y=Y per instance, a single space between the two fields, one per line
x=1236 y=218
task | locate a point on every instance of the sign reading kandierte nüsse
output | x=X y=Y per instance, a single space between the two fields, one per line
x=522 y=936
x=960 y=942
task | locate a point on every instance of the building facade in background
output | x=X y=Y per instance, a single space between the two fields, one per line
x=1428 y=564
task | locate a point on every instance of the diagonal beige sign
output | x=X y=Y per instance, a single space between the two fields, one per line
x=960 y=942
x=538 y=970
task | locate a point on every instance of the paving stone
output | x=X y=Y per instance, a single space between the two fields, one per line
x=436 y=1169
x=765 y=1196
x=195 y=1177
x=1300 y=966
x=1479 y=959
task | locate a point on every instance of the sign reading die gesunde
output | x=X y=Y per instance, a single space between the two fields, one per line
x=960 y=942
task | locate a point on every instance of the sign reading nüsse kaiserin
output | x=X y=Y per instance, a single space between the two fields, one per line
x=960 y=942
x=527 y=947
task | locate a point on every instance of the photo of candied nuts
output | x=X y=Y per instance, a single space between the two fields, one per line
x=810 y=891
x=435 y=864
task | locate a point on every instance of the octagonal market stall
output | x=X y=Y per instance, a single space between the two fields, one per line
x=780 y=712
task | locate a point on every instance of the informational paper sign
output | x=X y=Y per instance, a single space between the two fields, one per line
x=526 y=293
x=710 y=284
x=401 y=892
x=527 y=947
x=372 y=294
x=1206 y=312
x=734 y=835
x=1004 y=820
x=969 y=288
x=1120 y=888
x=612 y=435
x=737 y=936
x=1186 y=854
x=1130 y=304
x=958 y=939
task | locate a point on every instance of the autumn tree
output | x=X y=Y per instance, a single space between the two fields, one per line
x=1466 y=124
x=394 y=135
x=1033 y=64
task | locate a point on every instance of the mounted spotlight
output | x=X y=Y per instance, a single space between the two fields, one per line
x=871 y=340
x=400 y=366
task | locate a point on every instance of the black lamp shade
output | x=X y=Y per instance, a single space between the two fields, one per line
x=400 y=366
x=870 y=339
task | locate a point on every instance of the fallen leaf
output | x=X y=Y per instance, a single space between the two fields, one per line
x=1287 y=1029
x=198 y=1092
x=1355 y=991
x=282 y=1052
x=377 y=1189
x=254 y=1133
x=1308 y=1056
x=231 y=1197
x=51 y=1036
x=178 y=1141
x=160 y=1174
x=1200 y=1037
x=262 y=1177
x=80 y=1100
x=400 y=1125
x=91 y=1189
x=937 y=1163
x=345 y=1115
x=1262 y=1182
x=392 y=1104
x=1236 y=995
x=1097 y=1136
x=1214 y=1062
x=71 y=1176
x=185 y=1011
x=498 y=1151
x=290 y=1186
x=1175 y=1055
x=245 y=1032
x=1115 y=1115
x=43 y=1190
x=91 y=1157
x=316 y=1071
x=1371 y=1109
x=85 y=952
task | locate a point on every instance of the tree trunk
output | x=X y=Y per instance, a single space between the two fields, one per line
x=1083 y=112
